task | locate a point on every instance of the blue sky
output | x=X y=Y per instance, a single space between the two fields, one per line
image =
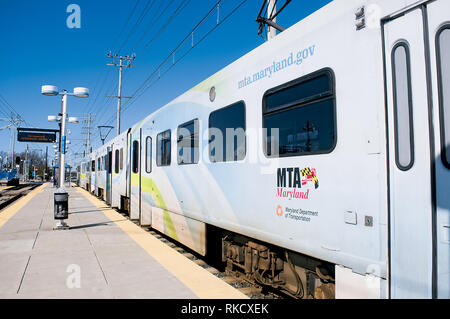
x=38 y=48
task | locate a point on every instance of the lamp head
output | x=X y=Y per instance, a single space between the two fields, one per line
x=53 y=118
x=81 y=92
x=49 y=90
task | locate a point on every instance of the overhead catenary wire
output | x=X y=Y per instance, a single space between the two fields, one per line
x=144 y=12
x=147 y=83
x=105 y=72
x=151 y=23
x=126 y=23
x=177 y=11
x=102 y=110
x=10 y=113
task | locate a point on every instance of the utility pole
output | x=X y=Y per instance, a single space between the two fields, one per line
x=25 y=166
x=13 y=146
x=121 y=65
x=269 y=19
x=271 y=15
x=87 y=120
x=46 y=164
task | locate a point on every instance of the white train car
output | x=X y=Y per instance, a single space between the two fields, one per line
x=318 y=163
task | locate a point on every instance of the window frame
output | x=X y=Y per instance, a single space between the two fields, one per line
x=135 y=168
x=121 y=158
x=405 y=45
x=147 y=153
x=245 y=131
x=116 y=161
x=193 y=121
x=329 y=95
x=444 y=155
x=159 y=149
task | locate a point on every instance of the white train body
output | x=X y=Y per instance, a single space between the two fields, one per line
x=362 y=177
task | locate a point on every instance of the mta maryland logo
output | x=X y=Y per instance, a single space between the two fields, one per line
x=309 y=177
x=294 y=177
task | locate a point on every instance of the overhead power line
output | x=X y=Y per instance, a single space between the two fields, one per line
x=146 y=9
x=183 y=4
x=171 y=60
x=126 y=23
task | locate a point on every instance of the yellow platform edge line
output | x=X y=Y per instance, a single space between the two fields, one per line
x=7 y=213
x=204 y=284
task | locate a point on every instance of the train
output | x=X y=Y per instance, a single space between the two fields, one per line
x=317 y=164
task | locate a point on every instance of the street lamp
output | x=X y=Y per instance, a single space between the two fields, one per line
x=61 y=196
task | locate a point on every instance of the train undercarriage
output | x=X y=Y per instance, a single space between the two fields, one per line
x=298 y=276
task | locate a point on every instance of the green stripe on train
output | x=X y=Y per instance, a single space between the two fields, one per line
x=148 y=186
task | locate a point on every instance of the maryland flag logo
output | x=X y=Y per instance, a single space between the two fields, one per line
x=309 y=177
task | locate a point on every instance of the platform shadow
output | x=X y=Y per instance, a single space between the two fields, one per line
x=89 y=211
x=91 y=225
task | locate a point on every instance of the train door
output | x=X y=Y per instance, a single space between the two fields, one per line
x=146 y=183
x=98 y=176
x=116 y=171
x=135 y=180
x=88 y=174
x=93 y=174
x=412 y=174
x=109 y=168
x=439 y=35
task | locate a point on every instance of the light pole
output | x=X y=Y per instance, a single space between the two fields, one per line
x=61 y=197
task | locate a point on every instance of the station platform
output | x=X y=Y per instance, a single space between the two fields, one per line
x=102 y=255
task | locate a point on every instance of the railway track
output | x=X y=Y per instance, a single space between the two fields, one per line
x=234 y=279
x=8 y=195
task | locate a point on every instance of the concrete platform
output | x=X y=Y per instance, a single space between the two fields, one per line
x=103 y=255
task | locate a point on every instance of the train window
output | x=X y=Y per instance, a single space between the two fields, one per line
x=309 y=89
x=403 y=111
x=116 y=161
x=135 y=163
x=163 y=149
x=148 y=154
x=99 y=164
x=443 y=58
x=121 y=158
x=108 y=160
x=227 y=134
x=187 y=142
x=93 y=166
x=299 y=118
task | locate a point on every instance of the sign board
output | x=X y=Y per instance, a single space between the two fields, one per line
x=36 y=135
